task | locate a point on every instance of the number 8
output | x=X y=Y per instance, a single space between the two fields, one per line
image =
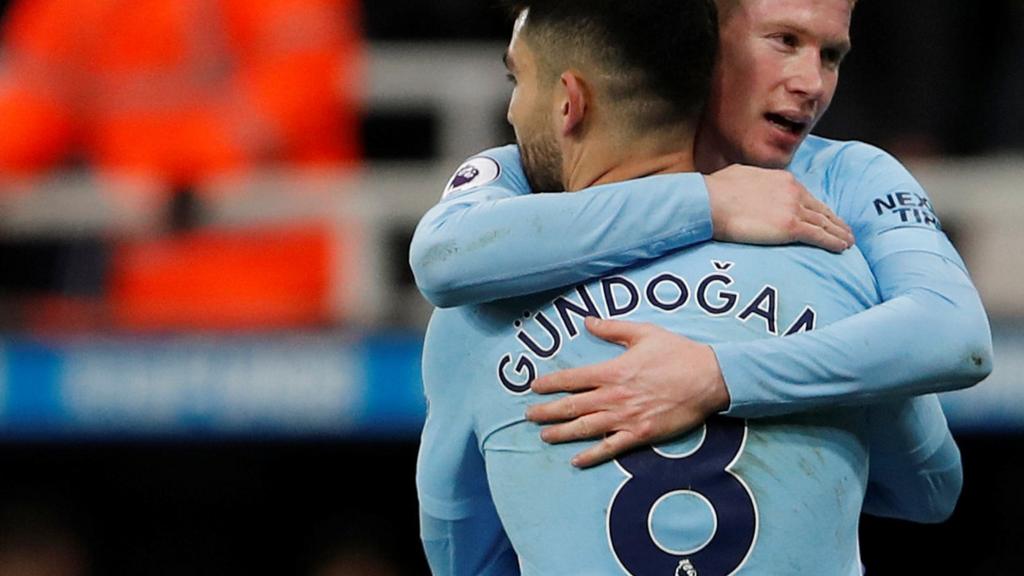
x=704 y=471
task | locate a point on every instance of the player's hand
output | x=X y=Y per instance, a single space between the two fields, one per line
x=661 y=386
x=758 y=206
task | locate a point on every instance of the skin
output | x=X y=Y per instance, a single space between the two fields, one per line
x=532 y=121
x=748 y=204
x=569 y=134
x=778 y=59
x=567 y=118
x=777 y=72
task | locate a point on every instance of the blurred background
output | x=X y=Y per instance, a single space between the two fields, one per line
x=209 y=335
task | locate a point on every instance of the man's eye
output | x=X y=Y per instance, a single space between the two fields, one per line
x=788 y=40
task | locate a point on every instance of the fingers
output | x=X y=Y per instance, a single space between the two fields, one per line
x=812 y=203
x=818 y=236
x=828 y=220
x=842 y=225
x=563 y=409
x=615 y=331
x=612 y=446
x=582 y=428
x=822 y=231
x=589 y=377
x=569 y=380
x=823 y=216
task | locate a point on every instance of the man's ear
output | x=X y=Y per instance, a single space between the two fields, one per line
x=574 y=102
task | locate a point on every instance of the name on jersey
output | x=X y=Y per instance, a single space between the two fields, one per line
x=541 y=334
x=909 y=207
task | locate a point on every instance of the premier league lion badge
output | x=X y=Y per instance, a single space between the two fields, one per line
x=474 y=173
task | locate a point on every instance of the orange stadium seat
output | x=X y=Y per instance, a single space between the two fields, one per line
x=181 y=89
x=229 y=280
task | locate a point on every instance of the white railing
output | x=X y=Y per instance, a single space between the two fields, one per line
x=465 y=86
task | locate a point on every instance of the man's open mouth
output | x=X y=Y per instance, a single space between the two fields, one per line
x=787 y=124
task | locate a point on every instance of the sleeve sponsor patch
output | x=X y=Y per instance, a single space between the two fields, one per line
x=474 y=173
x=909 y=208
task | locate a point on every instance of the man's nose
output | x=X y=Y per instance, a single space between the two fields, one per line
x=808 y=77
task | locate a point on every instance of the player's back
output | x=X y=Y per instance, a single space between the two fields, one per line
x=773 y=496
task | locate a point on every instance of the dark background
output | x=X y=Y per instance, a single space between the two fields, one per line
x=243 y=508
x=925 y=77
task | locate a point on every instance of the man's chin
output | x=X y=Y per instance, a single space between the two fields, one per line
x=771 y=157
x=777 y=163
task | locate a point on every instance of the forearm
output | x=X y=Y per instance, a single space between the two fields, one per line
x=930 y=496
x=915 y=468
x=467 y=252
x=931 y=334
x=466 y=547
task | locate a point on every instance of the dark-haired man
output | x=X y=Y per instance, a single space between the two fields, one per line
x=774 y=496
x=777 y=71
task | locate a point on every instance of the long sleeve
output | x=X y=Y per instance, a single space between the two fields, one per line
x=472 y=546
x=460 y=529
x=461 y=532
x=497 y=240
x=929 y=334
x=915 y=470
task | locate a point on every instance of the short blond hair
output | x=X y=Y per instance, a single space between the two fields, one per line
x=725 y=7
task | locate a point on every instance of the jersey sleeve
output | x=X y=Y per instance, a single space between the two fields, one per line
x=490 y=238
x=929 y=334
x=459 y=526
x=915 y=469
x=887 y=208
x=461 y=532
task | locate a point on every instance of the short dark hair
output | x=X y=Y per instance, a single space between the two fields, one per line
x=658 y=54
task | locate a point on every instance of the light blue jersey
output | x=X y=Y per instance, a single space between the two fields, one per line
x=491 y=239
x=772 y=496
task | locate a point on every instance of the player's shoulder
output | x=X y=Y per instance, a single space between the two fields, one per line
x=452 y=331
x=499 y=166
x=446 y=324
x=445 y=341
x=825 y=154
x=801 y=268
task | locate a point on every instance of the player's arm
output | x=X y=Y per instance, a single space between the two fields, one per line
x=461 y=532
x=465 y=539
x=490 y=238
x=915 y=471
x=930 y=334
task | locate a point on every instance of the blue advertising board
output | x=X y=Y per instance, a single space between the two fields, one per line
x=347 y=385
